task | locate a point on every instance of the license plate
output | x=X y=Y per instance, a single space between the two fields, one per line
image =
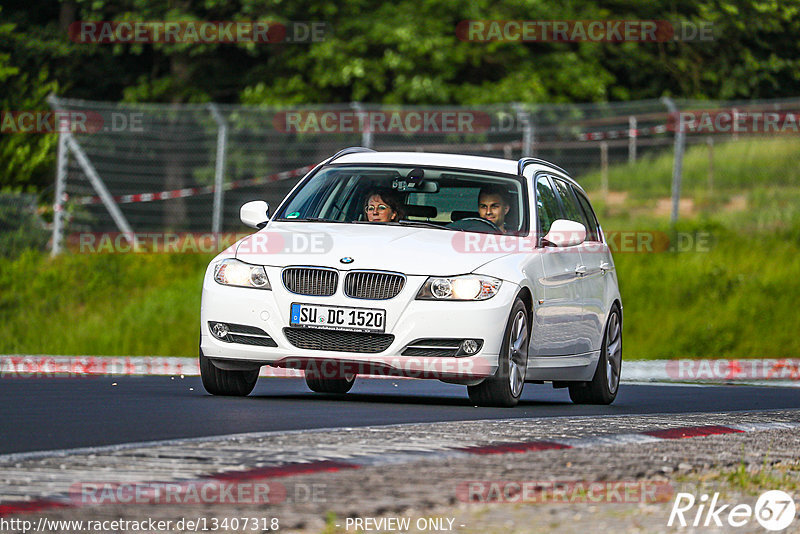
x=338 y=318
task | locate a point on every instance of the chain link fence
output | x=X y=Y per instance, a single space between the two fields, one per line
x=188 y=168
x=21 y=226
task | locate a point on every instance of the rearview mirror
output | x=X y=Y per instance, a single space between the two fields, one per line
x=427 y=186
x=255 y=214
x=564 y=233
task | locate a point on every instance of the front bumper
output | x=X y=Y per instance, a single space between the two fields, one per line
x=407 y=319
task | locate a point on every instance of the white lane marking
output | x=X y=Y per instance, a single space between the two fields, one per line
x=612 y=439
x=756 y=427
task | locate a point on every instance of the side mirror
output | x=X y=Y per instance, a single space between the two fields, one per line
x=255 y=214
x=564 y=233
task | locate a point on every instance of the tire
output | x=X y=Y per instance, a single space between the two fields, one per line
x=505 y=386
x=339 y=386
x=229 y=383
x=605 y=383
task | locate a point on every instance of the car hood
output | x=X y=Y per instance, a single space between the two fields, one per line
x=406 y=249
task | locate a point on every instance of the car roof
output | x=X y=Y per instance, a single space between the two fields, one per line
x=481 y=163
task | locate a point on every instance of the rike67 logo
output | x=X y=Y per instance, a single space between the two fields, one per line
x=774 y=510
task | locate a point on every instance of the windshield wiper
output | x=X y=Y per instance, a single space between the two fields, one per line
x=307 y=219
x=421 y=224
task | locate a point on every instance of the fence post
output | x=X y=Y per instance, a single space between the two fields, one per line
x=632 y=134
x=677 y=164
x=62 y=159
x=100 y=187
x=528 y=139
x=68 y=142
x=604 y=168
x=710 y=143
x=219 y=171
x=366 y=134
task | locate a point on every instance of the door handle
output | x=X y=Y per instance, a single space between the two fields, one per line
x=580 y=270
x=605 y=266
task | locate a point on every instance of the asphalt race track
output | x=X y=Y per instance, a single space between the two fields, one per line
x=53 y=413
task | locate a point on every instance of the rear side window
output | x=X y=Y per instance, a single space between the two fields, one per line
x=546 y=204
x=592 y=230
x=572 y=210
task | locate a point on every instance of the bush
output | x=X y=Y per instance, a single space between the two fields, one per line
x=20 y=226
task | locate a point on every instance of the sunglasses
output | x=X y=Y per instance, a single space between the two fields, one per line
x=380 y=208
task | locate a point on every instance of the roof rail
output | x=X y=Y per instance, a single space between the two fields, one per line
x=349 y=150
x=524 y=162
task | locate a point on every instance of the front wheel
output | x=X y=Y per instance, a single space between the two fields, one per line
x=221 y=382
x=605 y=382
x=505 y=386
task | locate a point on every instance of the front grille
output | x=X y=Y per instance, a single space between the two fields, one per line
x=437 y=347
x=429 y=353
x=245 y=329
x=433 y=347
x=373 y=285
x=252 y=340
x=318 y=339
x=244 y=334
x=310 y=281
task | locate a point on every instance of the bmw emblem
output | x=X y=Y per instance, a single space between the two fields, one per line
x=347 y=259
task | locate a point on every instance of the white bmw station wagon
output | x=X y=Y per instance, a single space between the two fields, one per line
x=471 y=270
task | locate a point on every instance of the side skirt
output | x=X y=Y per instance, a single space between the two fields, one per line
x=577 y=367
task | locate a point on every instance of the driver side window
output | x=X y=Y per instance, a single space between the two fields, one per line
x=546 y=204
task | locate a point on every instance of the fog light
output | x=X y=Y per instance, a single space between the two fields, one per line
x=220 y=330
x=470 y=346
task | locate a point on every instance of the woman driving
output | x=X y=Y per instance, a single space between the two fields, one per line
x=383 y=205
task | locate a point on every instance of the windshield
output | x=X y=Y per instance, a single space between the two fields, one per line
x=449 y=199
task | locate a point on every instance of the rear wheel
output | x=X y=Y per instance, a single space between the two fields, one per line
x=222 y=382
x=605 y=382
x=330 y=385
x=505 y=386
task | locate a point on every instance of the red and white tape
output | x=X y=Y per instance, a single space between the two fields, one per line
x=193 y=191
x=777 y=371
x=619 y=134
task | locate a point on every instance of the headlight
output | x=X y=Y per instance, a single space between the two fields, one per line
x=467 y=287
x=231 y=272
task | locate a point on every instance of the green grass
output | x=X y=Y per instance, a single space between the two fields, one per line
x=738 y=165
x=738 y=299
x=101 y=304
